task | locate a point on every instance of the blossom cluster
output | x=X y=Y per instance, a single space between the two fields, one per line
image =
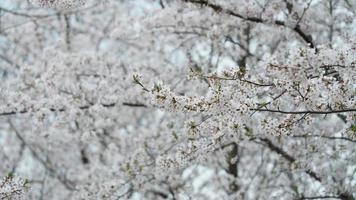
x=59 y=4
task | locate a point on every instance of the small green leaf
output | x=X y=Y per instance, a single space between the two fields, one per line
x=353 y=128
x=11 y=175
x=175 y=135
x=26 y=183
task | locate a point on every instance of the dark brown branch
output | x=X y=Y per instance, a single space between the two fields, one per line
x=63 y=180
x=315 y=112
x=159 y=193
x=278 y=150
x=234 y=79
x=25 y=14
x=318 y=197
x=233 y=166
x=303 y=112
x=311 y=173
x=81 y=107
x=161 y=4
x=134 y=104
x=217 y=8
x=288 y=157
x=342 y=196
x=7 y=60
x=67 y=31
x=346 y=196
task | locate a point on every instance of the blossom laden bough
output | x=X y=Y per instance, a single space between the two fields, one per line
x=179 y=99
x=59 y=4
x=12 y=187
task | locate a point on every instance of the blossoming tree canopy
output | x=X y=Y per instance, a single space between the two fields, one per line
x=178 y=99
x=61 y=4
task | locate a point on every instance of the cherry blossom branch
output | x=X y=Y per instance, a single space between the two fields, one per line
x=303 y=112
x=236 y=79
x=320 y=112
x=67 y=31
x=7 y=60
x=10 y=188
x=25 y=14
x=318 y=197
x=342 y=196
x=10 y=194
x=311 y=173
x=81 y=107
x=134 y=104
x=288 y=157
x=219 y=9
x=63 y=180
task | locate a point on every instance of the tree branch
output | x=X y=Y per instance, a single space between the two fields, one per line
x=288 y=157
x=68 y=184
x=316 y=112
x=138 y=105
x=318 y=197
x=217 y=8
